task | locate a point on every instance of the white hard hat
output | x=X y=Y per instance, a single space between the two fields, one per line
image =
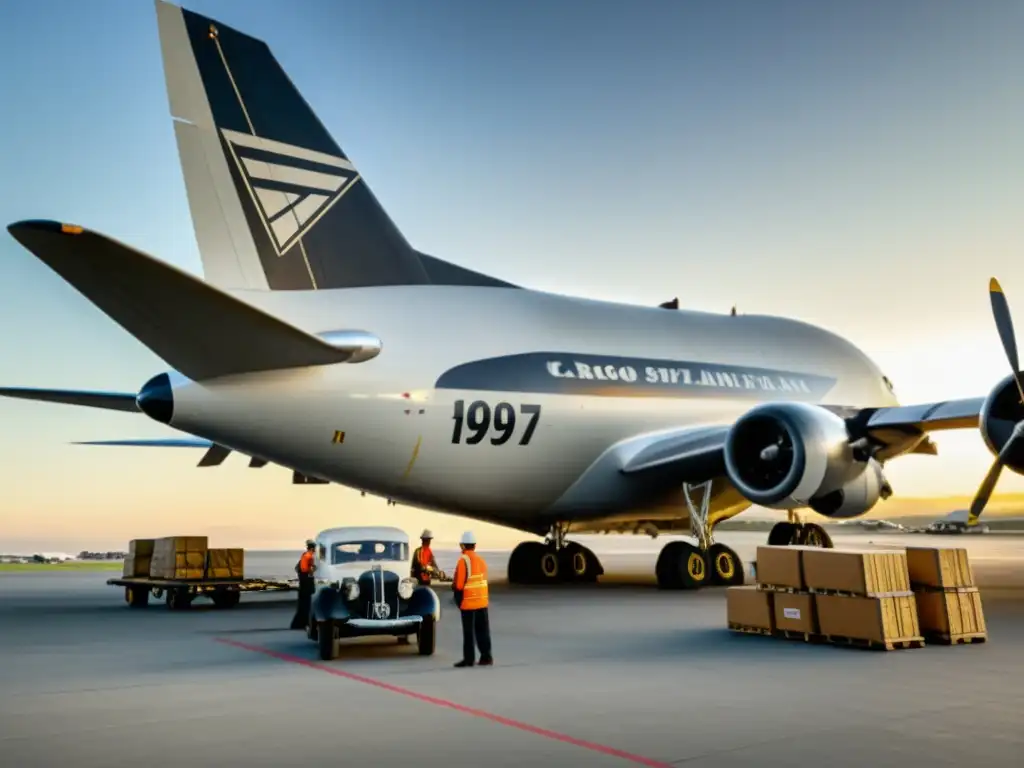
x=468 y=538
x=427 y=534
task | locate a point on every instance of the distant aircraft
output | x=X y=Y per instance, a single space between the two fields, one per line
x=322 y=341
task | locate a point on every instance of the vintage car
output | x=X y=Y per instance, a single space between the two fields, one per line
x=363 y=588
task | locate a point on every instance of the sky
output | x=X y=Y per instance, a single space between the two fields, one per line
x=859 y=166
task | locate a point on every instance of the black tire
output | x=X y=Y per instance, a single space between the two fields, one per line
x=326 y=641
x=813 y=535
x=524 y=563
x=178 y=599
x=426 y=637
x=726 y=566
x=579 y=564
x=226 y=598
x=782 y=535
x=549 y=566
x=136 y=597
x=681 y=565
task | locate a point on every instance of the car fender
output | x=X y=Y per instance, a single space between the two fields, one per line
x=329 y=604
x=424 y=602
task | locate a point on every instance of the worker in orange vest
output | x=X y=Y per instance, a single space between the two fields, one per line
x=424 y=566
x=305 y=567
x=470 y=587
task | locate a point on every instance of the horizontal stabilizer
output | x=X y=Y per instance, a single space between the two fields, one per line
x=111 y=401
x=196 y=328
x=159 y=442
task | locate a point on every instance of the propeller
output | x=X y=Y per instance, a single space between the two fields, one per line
x=1004 y=325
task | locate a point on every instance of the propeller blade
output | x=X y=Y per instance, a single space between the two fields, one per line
x=985 y=492
x=989 y=483
x=1004 y=324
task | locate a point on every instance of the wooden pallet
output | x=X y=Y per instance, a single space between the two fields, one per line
x=749 y=630
x=776 y=588
x=807 y=637
x=964 y=639
x=846 y=593
x=875 y=645
x=927 y=588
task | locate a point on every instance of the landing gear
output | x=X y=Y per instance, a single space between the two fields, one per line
x=554 y=561
x=793 y=532
x=682 y=565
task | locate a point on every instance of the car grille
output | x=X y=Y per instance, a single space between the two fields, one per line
x=369 y=585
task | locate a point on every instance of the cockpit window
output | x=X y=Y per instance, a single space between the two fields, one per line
x=368 y=551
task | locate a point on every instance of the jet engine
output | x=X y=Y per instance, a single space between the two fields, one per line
x=791 y=455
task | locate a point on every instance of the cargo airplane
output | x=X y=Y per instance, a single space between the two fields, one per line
x=322 y=341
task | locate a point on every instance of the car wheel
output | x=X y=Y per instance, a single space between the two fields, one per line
x=426 y=636
x=327 y=643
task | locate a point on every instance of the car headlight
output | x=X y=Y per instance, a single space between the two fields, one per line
x=405 y=588
x=351 y=590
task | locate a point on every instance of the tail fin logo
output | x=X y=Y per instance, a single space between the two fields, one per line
x=291 y=187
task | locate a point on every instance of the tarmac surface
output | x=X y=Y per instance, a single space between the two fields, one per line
x=595 y=675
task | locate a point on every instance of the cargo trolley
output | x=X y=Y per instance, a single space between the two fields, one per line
x=180 y=593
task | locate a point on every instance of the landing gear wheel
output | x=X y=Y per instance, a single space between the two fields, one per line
x=327 y=642
x=813 y=535
x=578 y=564
x=426 y=636
x=682 y=566
x=782 y=535
x=550 y=568
x=726 y=566
x=524 y=563
x=136 y=597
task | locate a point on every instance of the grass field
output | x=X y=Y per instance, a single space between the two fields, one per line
x=84 y=565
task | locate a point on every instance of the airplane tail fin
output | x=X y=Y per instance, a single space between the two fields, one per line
x=276 y=204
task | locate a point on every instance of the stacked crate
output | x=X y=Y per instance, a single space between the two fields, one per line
x=948 y=601
x=841 y=596
x=225 y=563
x=140 y=556
x=179 y=557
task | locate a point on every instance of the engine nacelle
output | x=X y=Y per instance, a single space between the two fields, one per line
x=999 y=414
x=784 y=455
x=855 y=498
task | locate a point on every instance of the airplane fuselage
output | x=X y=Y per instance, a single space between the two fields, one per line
x=491 y=402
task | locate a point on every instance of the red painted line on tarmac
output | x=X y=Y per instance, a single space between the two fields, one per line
x=510 y=723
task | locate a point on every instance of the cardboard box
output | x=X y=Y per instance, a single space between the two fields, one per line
x=868 y=618
x=135 y=566
x=225 y=563
x=939 y=567
x=749 y=607
x=781 y=566
x=794 y=612
x=179 y=557
x=861 y=572
x=951 y=613
x=141 y=548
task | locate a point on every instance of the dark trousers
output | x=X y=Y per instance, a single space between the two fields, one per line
x=305 y=601
x=476 y=625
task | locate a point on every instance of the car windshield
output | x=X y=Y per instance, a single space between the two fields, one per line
x=368 y=551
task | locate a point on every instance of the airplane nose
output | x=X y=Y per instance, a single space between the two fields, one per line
x=156 y=399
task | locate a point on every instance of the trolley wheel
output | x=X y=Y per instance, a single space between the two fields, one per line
x=178 y=599
x=136 y=597
x=726 y=566
x=226 y=598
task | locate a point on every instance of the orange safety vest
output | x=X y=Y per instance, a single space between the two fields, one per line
x=306 y=562
x=471 y=580
x=423 y=558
